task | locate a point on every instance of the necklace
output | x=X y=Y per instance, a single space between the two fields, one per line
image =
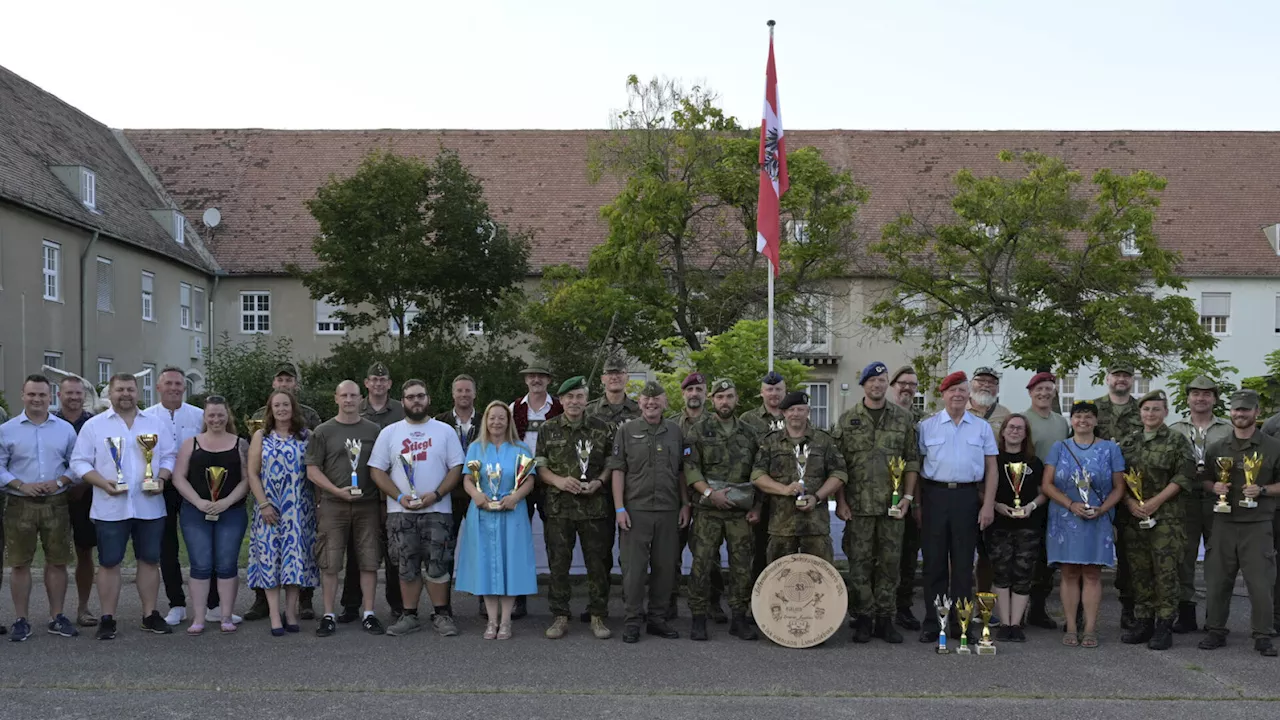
x=1082 y=447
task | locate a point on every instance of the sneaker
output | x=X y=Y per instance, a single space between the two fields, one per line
x=405 y=625
x=328 y=626
x=21 y=630
x=444 y=625
x=176 y=616
x=373 y=625
x=157 y=624
x=106 y=628
x=60 y=625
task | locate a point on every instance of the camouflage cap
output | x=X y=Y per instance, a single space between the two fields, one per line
x=1154 y=395
x=1202 y=382
x=1244 y=400
x=721 y=385
x=986 y=370
x=653 y=388
x=614 y=364
x=573 y=383
x=286 y=368
x=378 y=369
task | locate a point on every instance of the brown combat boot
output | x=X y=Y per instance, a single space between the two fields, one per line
x=559 y=628
x=599 y=629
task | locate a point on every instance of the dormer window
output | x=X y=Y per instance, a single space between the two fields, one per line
x=81 y=182
x=173 y=223
x=88 y=188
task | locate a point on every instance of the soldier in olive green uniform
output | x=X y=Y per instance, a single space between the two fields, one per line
x=1163 y=458
x=694 y=390
x=650 y=498
x=765 y=420
x=614 y=407
x=576 y=506
x=1242 y=540
x=868 y=436
x=718 y=468
x=799 y=521
x=1202 y=428
x=1117 y=418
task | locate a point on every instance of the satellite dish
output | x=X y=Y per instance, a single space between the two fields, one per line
x=212 y=217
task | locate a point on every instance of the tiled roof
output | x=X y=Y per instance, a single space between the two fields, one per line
x=37 y=130
x=1223 y=186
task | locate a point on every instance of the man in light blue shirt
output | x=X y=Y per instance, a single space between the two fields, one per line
x=35 y=451
x=958 y=495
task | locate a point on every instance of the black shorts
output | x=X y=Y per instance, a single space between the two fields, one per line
x=83 y=532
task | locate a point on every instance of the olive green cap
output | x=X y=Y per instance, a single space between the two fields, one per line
x=1202 y=382
x=1154 y=395
x=653 y=388
x=1244 y=400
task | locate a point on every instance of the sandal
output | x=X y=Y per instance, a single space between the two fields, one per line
x=504 y=631
x=491 y=631
x=195 y=629
x=1070 y=639
x=1089 y=640
x=228 y=627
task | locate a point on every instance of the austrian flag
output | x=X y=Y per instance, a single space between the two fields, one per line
x=773 y=167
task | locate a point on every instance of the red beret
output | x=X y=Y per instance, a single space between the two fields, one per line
x=693 y=378
x=1041 y=377
x=954 y=378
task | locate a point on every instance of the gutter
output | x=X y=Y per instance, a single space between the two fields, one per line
x=84 y=298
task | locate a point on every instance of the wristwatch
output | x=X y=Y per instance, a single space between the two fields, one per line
x=706 y=493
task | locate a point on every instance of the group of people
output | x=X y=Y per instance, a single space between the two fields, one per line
x=386 y=484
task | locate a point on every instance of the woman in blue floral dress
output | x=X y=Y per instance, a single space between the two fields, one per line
x=1084 y=477
x=283 y=534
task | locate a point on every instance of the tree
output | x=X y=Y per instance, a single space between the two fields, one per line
x=1203 y=364
x=242 y=372
x=1038 y=259
x=680 y=247
x=1267 y=386
x=738 y=354
x=412 y=244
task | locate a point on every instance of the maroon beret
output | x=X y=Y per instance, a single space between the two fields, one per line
x=693 y=378
x=1041 y=377
x=954 y=378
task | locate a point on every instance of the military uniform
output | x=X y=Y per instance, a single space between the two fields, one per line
x=1198 y=505
x=873 y=540
x=762 y=422
x=792 y=530
x=687 y=423
x=1115 y=422
x=909 y=563
x=614 y=415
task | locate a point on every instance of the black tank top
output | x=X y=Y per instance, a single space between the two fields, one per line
x=202 y=459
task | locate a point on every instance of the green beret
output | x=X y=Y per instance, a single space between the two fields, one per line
x=721 y=385
x=1154 y=395
x=572 y=384
x=653 y=388
x=1203 y=382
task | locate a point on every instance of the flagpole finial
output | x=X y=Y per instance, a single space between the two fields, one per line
x=771 y=24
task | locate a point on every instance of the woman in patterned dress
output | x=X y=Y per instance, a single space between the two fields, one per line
x=284 y=522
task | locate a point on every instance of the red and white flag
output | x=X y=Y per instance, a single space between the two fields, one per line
x=773 y=168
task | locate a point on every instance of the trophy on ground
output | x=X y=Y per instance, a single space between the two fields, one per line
x=1252 y=466
x=353 y=451
x=802 y=462
x=964 y=610
x=115 y=446
x=1224 y=476
x=942 y=604
x=896 y=467
x=1133 y=478
x=148 y=444
x=1083 y=484
x=214 y=476
x=1016 y=472
x=584 y=459
x=986 y=604
x=406 y=464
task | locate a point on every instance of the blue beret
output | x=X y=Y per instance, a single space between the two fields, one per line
x=771 y=378
x=875 y=369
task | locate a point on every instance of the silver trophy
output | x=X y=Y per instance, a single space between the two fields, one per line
x=942 y=604
x=115 y=446
x=584 y=458
x=802 y=463
x=493 y=472
x=1083 y=484
x=1199 y=436
x=354 y=447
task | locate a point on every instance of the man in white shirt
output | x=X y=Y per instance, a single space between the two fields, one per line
x=419 y=511
x=182 y=421
x=108 y=456
x=529 y=413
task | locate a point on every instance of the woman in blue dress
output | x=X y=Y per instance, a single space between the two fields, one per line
x=1084 y=477
x=495 y=557
x=283 y=534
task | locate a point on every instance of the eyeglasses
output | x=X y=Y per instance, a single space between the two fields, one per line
x=415 y=396
x=904 y=384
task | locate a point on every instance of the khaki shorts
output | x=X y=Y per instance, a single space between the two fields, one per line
x=42 y=520
x=336 y=523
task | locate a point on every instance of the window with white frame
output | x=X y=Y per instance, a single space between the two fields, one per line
x=255 y=312
x=798 y=231
x=52 y=270
x=53 y=360
x=915 y=303
x=1141 y=386
x=819 y=409
x=410 y=314
x=917 y=402
x=199 y=306
x=1129 y=244
x=184 y=306
x=1067 y=392
x=1215 y=312
x=812 y=329
x=474 y=327
x=106 y=285
x=148 y=388
x=104 y=370
x=179 y=228
x=88 y=188
x=326 y=323
x=148 y=295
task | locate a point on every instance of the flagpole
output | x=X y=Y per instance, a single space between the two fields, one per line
x=768 y=265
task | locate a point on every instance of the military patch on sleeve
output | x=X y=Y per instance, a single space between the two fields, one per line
x=856 y=422
x=688 y=451
x=617 y=448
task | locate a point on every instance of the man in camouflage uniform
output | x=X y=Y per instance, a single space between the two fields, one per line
x=694 y=391
x=575 y=506
x=1202 y=428
x=1242 y=541
x=718 y=469
x=765 y=420
x=1117 y=418
x=799 y=521
x=868 y=436
x=614 y=407
x=903 y=384
x=1164 y=459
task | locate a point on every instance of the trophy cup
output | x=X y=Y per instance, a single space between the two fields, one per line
x=1133 y=478
x=406 y=463
x=148 y=444
x=115 y=446
x=214 y=476
x=255 y=424
x=802 y=461
x=896 y=467
x=1016 y=472
x=1081 y=480
x=584 y=458
x=1224 y=476
x=943 y=605
x=964 y=609
x=493 y=471
x=1199 y=436
x=986 y=604
x=1252 y=464
x=524 y=468
x=353 y=452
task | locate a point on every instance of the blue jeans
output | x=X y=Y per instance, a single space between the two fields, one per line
x=114 y=535
x=213 y=547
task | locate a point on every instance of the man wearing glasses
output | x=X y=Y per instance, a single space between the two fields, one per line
x=902 y=392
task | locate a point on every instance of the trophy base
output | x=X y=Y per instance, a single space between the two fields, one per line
x=1249 y=503
x=895 y=512
x=355 y=491
x=150 y=486
x=1222 y=508
x=212 y=517
x=986 y=649
x=122 y=485
x=1147 y=524
x=1018 y=512
x=493 y=505
x=802 y=501
x=943 y=650
x=963 y=650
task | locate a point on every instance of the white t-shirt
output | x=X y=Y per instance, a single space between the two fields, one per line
x=435 y=449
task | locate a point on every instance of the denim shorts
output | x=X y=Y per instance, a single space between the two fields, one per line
x=213 y=547
x=114 y=535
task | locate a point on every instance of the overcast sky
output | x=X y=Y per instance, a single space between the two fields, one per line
x=889 y=64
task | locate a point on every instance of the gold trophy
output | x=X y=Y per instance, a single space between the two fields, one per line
x=802 y=463
x=1016 y=472
x=115 y=446
x=896 y=467
x=406 y=464
x=964 y=610
x=1252 y=465
x=148 y=444
x=215 y=476
x=942 y=604
x=353 y=451
x=1224 y=476
x=493 y=471
x=255 y=424
x=1133 y=478
x=986 y=604
x=524 y=468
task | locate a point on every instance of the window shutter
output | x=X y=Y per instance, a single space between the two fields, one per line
x=198 y=305
x=105 y=285
x=1215 y=304
x=148 y=282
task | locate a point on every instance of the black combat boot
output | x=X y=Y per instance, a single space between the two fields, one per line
x=745 y=629
x=1264 y=647
x=1163 y=637
x=1186 y=621
x=1213 y=640
x=699 y=629
x=861 y=629
x=906 y=619
x=1038 y=616
x=886 y=631
x=1126 y=614
x=1140 y=631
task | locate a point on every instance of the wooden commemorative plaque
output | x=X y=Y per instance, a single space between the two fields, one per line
x=799 y=601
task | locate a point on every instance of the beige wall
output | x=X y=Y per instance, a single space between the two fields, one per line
x=292 y=313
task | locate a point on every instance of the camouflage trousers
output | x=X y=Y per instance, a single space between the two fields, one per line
x=596 y=537
x=709 y=530
x=873 y=545
x=781 y=545
x=1015 y=555
x=1155 y=558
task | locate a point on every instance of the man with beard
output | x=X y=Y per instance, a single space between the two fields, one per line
x=1047 y=427
x=1242 y=540
x=1202 y=428
x=79 y=502
x=903 y=385
x=765 y=420
x=1118 y=418
x=694 y=390
x=984 y=402
x=529 y=413
x=614 y=407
